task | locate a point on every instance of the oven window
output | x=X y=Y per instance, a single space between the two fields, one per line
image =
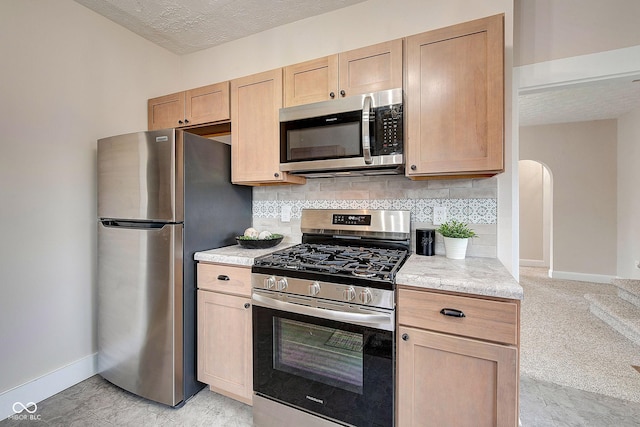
x=327 y=355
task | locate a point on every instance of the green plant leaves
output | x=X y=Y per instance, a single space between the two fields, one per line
x=456 y=229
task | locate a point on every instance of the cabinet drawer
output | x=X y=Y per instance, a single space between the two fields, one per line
x=483 y=319
x=224 y=278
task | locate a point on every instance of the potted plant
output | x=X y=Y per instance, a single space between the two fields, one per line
x=456 y=236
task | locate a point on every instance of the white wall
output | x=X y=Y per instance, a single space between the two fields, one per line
x=628 y=200
x=582 y=160
x=69 y=77
x=552 y=29
x=356 y=26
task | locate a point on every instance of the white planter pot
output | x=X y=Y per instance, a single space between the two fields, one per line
x=455 y=248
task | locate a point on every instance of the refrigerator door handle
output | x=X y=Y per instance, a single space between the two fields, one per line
x=132 y=224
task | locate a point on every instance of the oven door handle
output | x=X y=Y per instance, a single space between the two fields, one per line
x=379 y=321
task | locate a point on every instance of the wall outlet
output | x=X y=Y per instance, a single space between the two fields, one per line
x=439 y=215
x=285 y=213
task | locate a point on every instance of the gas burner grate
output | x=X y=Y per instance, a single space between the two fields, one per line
x=364 y=262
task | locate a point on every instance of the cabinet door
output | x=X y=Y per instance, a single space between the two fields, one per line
x=166 y=111
x=370 y=69
x=455 y=99
x=207 y=104
x=311 y=81
x=255 y=137
x=448 y=380
x=225 y=360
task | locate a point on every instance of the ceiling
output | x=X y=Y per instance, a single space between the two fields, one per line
x=606 y=99
x=187 y=26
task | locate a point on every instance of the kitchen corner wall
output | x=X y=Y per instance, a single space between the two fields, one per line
x=470 y=200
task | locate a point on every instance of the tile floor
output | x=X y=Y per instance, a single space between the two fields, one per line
x=96 y=403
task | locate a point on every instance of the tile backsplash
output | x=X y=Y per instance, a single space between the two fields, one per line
x=473 y=201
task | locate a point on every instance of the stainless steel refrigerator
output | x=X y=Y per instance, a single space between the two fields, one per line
x=162 y=196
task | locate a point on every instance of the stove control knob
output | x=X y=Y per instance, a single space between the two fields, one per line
x=281 y=284
x=365 y=296
x=270 y=282
x=314 y=288
x=349 y=294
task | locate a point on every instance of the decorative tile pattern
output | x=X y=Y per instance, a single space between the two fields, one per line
x=472 y=211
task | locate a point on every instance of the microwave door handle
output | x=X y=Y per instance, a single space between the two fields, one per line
x=366 y=136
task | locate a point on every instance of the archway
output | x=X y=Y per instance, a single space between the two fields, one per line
x=536 y=214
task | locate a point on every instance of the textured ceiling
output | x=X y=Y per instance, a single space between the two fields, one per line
x=594 y=101
x=186 y=26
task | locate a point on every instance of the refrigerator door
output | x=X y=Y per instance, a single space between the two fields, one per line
x=138 y=178
x=140 y=308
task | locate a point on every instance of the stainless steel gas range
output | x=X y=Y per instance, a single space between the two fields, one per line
x=324 y=321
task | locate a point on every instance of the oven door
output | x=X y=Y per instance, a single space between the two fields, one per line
x=334 y=368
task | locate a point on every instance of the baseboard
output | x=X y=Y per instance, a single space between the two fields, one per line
x=532 y=263
x=39 y=389
x=581 y=277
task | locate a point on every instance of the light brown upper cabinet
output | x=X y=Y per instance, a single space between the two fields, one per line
x=205 y=104
x=454 y=100
x=369 y=69
x=255 y=137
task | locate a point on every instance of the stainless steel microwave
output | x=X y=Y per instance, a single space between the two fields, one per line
x=357 y=135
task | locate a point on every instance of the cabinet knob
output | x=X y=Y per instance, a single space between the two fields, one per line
x=186 y=120
x=405 y=337
x=343 y=93
x=413 y=167
x=247 y=305
x=332 y=95
x=180 y=122
x=277 y=175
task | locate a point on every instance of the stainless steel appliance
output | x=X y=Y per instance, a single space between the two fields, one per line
x=324 y=321
x=162 y=196
x=357 y=135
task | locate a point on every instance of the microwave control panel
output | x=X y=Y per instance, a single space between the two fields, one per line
x=389 y=128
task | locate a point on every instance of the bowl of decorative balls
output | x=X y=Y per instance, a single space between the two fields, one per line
x=254 y=239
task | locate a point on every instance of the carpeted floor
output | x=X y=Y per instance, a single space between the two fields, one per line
x=563 y=343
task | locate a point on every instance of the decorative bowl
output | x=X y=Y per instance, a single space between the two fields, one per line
x=253 y=243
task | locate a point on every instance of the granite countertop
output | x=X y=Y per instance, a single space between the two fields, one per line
x=473 y=275
x=236 y=254
x=478 y=276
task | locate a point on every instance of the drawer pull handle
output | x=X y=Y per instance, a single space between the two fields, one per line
x=223 y=277
x=452 y=312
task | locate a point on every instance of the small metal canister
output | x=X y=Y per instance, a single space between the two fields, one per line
x=425 y=241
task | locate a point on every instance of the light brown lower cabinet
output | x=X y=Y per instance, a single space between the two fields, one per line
x=448 y=380
x=445 y=378
x=225 y=360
